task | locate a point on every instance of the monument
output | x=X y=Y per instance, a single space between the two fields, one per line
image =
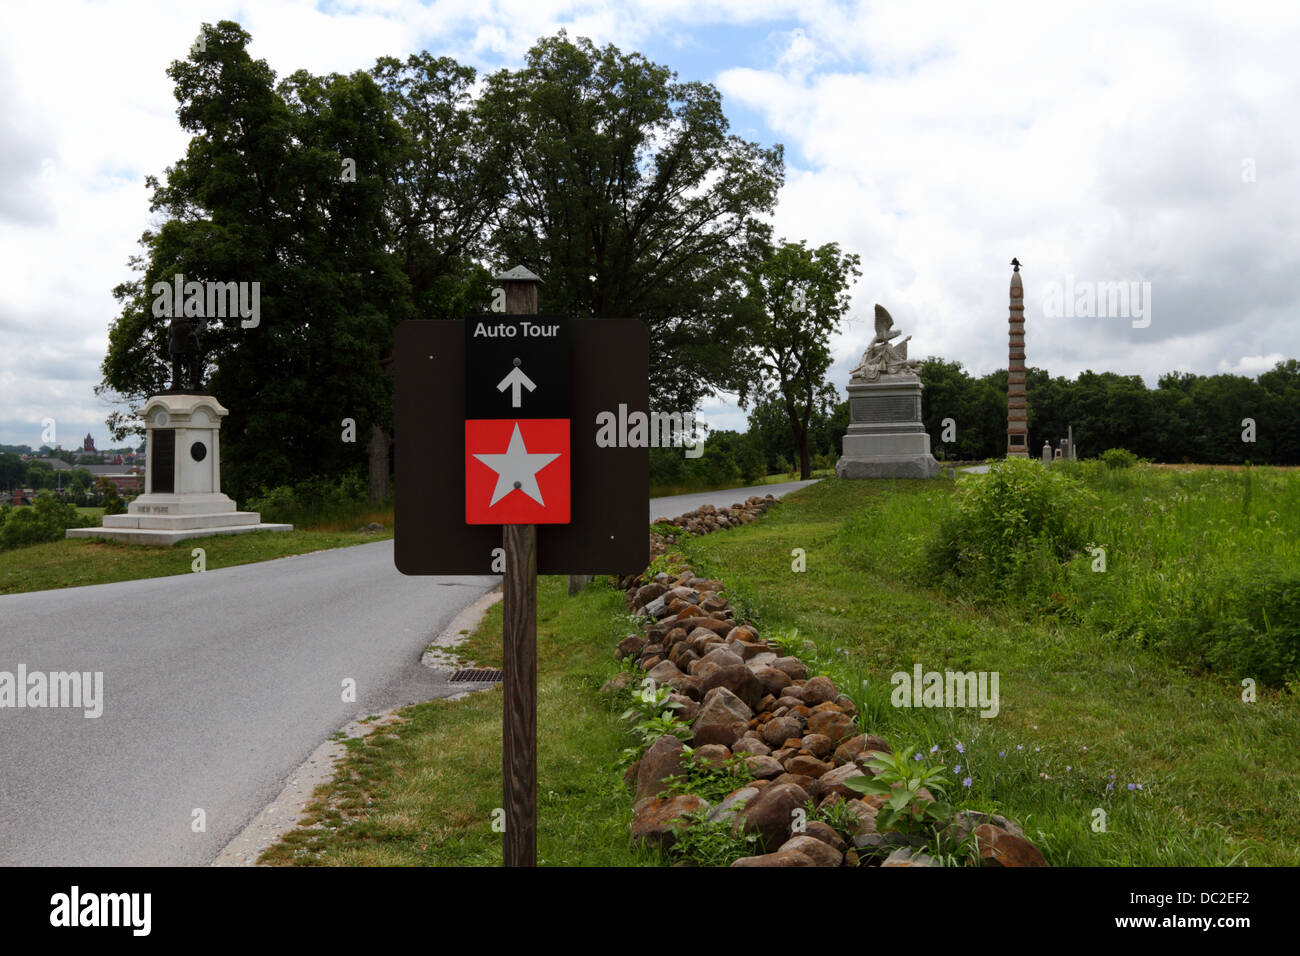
x=885 y=438
x=182 y=480
x=1017 y=414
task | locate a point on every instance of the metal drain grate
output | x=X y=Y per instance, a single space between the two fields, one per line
x=477 y=675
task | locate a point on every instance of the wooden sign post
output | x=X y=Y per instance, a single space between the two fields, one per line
x=519 y=651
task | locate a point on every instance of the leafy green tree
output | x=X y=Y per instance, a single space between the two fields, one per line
x=797 y=297
x=263 y=195
x=13 y=471
x=629 y=198
x=40 y=475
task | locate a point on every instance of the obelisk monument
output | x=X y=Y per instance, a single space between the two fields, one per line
x=1017 y=419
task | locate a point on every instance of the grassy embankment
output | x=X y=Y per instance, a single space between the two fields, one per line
x=1084 y=715
x=73 y=562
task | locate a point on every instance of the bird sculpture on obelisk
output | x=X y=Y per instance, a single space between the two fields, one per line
x=1017 y=419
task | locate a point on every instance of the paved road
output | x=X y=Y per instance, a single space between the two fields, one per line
x=216 y=687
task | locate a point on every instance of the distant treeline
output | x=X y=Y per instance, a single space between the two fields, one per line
x=1186 y=418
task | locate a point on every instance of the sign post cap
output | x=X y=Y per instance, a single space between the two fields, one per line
x=517 y=274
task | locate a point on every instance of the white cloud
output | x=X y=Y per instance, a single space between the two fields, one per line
x=1105 y=141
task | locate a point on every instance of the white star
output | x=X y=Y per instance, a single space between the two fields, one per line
x=517 y=469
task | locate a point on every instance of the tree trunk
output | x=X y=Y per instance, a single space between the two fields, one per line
x=805 y=466
x=379 y=447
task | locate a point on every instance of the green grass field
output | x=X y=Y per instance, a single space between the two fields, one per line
x=71 y=563
x=1185 y=772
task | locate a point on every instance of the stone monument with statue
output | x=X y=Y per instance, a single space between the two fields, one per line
x=182 y=482
x=886 y=438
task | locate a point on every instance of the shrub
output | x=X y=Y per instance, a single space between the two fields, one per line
x=1013 y=524
x=46 y=520
x=1119 y=458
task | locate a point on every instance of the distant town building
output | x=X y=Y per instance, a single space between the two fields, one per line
x=89 y=444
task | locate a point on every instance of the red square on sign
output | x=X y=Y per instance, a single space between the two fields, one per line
x=517 y=471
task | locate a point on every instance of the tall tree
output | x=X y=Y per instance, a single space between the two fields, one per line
x=626 y=194
x=262 y=195
x=797 y=297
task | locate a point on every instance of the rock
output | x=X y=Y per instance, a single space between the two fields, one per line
x=765 y=659
x=771 y=812
x=682 y=656
x=824 y=832
x=795 y=693
x=665 y=672
x=796 y=668
x=718 y=627
x=787 y=858
x=997 y=847
x=819 y=690
x=786 y=701
x=723 y=657
x=712 y=755
x=700 y=639
x=655 y=820
x=766 y=704
x=905 y=856
x=674 y=637
x=662 y=759
x=779 y=729
x=831 y=723
x=732 y=804
x=703 y=669
x=649 y=661
x=874 y=844
x=764 y=768
x=819 y=745
x=773 y=680
x=965 y=821
x=742 y=633
x=631 y=646
x=845 y=703
x=687 y=709
x=822 y=854
x=723 y=719
x=738 y=679
x=690 y=686
x=801 y=780
x=629 y=775
x=620 y=681
x=647 y=593
x=747 y=651
x=751 y=745
x=806 y=765
x=835 y=781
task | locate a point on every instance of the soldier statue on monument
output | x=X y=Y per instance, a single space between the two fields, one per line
x=186 y=353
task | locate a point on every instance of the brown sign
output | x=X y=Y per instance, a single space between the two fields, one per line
x=610 y=366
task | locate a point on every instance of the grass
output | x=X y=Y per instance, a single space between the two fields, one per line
x=1217 y=776
x=423 y=792
x=73 y=562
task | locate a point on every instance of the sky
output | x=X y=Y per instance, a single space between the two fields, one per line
x=1153 y=149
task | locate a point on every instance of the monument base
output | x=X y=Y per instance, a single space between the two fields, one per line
x=885 y=437
x=164 y=519
x=901 y=466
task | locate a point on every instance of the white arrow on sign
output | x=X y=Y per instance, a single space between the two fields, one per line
x=513 y=381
